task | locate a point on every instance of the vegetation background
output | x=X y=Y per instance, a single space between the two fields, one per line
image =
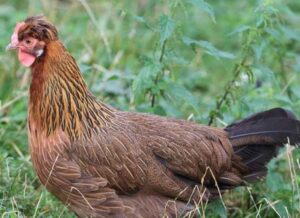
x=208 y=61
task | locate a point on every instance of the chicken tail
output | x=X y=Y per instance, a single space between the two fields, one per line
x=257 y=139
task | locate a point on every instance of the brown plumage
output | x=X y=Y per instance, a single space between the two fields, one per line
x=103 y=162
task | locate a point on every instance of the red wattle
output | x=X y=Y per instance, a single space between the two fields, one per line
x=25 y=58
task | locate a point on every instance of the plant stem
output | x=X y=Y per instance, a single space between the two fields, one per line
x=161 y=57
x=229 y=87
x=283 y=73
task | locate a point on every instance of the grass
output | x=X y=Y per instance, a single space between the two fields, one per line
x=211 y=63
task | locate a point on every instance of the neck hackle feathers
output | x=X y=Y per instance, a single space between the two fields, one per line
x=59 y=97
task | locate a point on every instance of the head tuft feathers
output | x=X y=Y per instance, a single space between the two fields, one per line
x=38 y=27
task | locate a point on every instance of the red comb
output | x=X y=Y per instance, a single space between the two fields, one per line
x=14 y=37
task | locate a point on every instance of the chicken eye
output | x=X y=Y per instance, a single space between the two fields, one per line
x=28 y=41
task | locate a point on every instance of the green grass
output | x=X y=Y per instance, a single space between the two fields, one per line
x=187 y=54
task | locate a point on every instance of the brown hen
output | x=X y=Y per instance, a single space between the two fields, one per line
x=102 y=162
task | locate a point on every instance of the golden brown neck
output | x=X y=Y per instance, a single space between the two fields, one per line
x=59 y=98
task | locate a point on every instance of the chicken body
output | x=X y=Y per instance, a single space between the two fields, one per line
x=102 y=162
x=132 y=163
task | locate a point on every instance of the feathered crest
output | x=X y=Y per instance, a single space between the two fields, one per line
x=39 y=28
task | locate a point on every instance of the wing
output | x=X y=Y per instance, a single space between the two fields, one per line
x=138 y=151
x=185 y=147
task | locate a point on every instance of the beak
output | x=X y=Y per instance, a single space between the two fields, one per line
x=11 y=46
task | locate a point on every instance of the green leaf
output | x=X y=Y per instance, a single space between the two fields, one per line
x=217 y=208
x=139 y=19
x=204 y=6
x=166 y=27
x=170 y=109
x=260 y=21
x=258 y=49
x=139 y=86
x=172 y=57
x=142 y=20
x=84 y=68
x=180 y=93
x=209 y=48
x=263 y=71
x=240 y=29
x=110 y=86
x=274 y=33
x=289 y=33
x=145 y=80
x=275 y=182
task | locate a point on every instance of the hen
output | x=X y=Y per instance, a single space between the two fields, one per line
x=102 y=162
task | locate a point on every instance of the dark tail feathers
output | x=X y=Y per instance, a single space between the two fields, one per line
x=257 y=138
